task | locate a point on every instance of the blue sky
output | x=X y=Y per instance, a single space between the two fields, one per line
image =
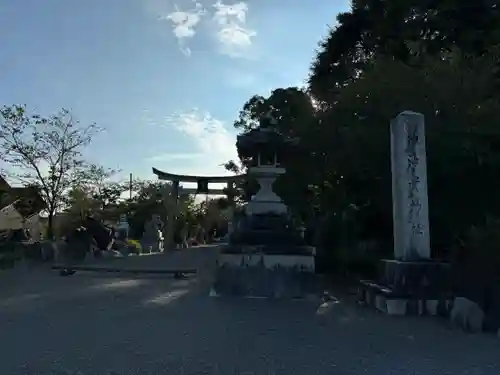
x=165 y=78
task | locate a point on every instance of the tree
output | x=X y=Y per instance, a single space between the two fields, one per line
x=96 y=192
x=79 y=202
x=149 y=198
x=456 y=96
x=291 y=107
x=44 y=151
x=104 y=191
x=213 y=214
x=294 y=112
x=146 y=201
x=404 y=30
x=438 y=57
x=343 y=166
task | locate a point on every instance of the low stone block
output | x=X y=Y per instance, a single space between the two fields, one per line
x=467 y=315
x=380 y=303
x=364 y=296
x=432 y=307
x=370 y=297
x=413 y=307
x=397 y=306
x=361 y=294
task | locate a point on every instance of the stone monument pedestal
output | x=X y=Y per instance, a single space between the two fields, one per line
x=260 y=272
x=409 y=288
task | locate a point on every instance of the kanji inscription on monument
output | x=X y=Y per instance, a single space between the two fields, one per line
x=409 y=187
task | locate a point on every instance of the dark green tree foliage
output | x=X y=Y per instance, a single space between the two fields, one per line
x=147 y=201
x=403 y=30
x=342 y=167
x=462 y=140
x=438 y=57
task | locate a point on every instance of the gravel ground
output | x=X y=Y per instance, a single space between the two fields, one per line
x=104 y=324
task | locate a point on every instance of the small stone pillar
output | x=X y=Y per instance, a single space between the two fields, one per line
x=122 y=228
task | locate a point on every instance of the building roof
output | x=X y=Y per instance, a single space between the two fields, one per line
x=26 y=200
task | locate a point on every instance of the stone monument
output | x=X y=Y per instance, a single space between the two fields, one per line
x=152 y=239
x=409 y=187
x=122 y=228
x=412 y=282
x=266 y=256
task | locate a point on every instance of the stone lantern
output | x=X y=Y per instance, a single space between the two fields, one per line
x=265 y=146
x=266 y=255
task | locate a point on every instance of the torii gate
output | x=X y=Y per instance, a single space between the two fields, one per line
x=202 y=188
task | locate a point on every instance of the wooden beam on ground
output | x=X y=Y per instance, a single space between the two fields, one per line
x=149 y=271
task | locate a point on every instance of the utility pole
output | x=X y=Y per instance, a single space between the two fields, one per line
x=130 y=186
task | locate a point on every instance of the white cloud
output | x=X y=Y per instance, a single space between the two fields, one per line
x=184 y=24
x=213 y=143
x=228 y=25
x=232 y=33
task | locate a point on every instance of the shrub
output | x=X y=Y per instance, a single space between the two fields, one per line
x=134 y=244
x=476 y=262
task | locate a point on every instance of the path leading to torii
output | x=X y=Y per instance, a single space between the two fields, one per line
x=106 y=324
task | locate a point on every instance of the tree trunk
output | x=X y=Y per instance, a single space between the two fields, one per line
x=50 y=226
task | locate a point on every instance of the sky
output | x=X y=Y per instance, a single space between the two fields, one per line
x=165 y=78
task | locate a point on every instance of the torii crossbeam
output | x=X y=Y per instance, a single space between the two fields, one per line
x=202 y=181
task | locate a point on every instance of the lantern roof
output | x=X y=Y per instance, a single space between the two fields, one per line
x=265 y=137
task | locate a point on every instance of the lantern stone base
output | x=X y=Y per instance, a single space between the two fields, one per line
x=262 y=275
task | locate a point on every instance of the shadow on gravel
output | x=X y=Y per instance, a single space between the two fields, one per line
x=38 y=287
x=95 y=290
